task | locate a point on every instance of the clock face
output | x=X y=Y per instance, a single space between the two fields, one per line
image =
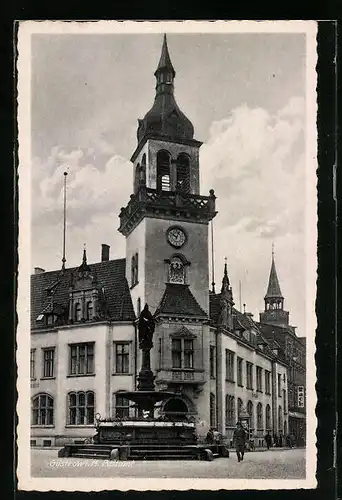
x=176 y=237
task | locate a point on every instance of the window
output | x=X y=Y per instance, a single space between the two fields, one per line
x=78 y=311
x=33 y=364
x=230 y=411
x=176 y=271
x=267 y=382
x=121 y=406
x=259 y=378
x=260 y=425
x=230 y=365
x=212 y=362
x=240 y=405
x=284 y=399
x=82 y=359
x=268 y=417
x=280 y=419
x=138 y=306
x=134 y=270
x=182 y=353
x=42 y=410
x=279 y=385
x=249 y=370
x=81 y=407
x=183 y=173
x=250 y=413
x=240 y=371
x=212 y=410
x=48 y=362
x=121 y=357
x=163 y=171
x=90 y=311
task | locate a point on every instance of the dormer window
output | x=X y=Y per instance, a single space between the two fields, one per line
x=90 y=310
x=78 y=311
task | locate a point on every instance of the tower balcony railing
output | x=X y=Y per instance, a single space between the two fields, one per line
x=148 y=199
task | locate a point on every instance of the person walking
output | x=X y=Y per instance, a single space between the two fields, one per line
x=268 y=440
x=239 y=439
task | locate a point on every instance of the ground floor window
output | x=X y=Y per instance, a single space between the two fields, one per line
x=121 y=406
x=260 y=425
x=212 y=410
x=230 y=411
x=42 y=410
x=268 y=417
x=81 y=407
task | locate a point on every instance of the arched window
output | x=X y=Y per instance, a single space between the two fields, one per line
x=280 y=419
x=78 y=311
x=240 y=405
x=268 y=417
x=260 y=424
x=230 y=411
x=212 y=410
x=90 y=310
x=183 y=173
x=120 y=406
x=81 y=406
x=42 y=410
x=138 y=306
x=176 y=270
x=250 y=413
x=134 y=270
x=163 y=171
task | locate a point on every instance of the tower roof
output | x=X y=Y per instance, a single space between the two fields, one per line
x=225 y=279
x=165 y=60
x=273 y=289
x=165 y=120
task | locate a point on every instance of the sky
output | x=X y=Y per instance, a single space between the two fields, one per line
x=245 y=95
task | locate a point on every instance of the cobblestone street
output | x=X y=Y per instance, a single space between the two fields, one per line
x=273 y=464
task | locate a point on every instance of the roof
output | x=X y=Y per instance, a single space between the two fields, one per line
x=273 y=289
x=165 y=60
x=110 y=278
x=178 y=300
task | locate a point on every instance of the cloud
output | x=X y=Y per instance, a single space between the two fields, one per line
x=255 y=163
x=95 y=194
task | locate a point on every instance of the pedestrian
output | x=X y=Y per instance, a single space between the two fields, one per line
x=292 y=439
x=288 y=441
x=239 y=439
x=210 y=437
x=268 y=440
x=275 y=440
x=280 y=441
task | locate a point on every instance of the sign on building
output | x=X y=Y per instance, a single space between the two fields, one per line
x=300 y=396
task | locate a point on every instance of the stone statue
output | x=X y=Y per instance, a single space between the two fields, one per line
x=146 y=328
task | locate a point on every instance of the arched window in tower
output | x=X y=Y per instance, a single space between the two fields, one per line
x=176 y=270
x=163 y=171
x=134 y=270
x=183 y=173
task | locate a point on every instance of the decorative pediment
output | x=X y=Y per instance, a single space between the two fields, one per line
x=183 y=333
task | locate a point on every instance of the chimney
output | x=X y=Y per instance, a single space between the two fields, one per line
x=39 y=270
x=104 y=252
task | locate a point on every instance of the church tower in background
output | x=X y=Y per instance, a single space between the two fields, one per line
x=274 y=313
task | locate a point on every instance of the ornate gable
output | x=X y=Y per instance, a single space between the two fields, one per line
x=183 y=333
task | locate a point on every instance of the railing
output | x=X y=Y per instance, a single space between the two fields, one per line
x=193 y=376
x=167 y=199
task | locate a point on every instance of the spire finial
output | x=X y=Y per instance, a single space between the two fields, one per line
x=225 y=279
x=165 y=64
x=84 y=260
x=244 y=308
x=272 y=251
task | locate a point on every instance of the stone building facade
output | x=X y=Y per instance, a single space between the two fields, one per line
x=84 y=348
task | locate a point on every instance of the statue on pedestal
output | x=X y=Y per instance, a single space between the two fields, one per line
x=146 y=328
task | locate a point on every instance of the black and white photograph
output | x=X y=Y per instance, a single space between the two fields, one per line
x=167 y=255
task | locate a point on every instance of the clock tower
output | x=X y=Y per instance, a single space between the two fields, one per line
x=166 y=227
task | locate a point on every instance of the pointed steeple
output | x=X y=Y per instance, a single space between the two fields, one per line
x=84 y=266
x=225 y=279
x=165 y=64
x=273 y=289
x=165 y=119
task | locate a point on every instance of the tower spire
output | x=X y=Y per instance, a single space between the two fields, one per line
x=64 y=222
x=225 y=279
x=165 y=63
x=273 y=289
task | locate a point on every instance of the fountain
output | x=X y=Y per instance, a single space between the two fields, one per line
x=145 y=437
